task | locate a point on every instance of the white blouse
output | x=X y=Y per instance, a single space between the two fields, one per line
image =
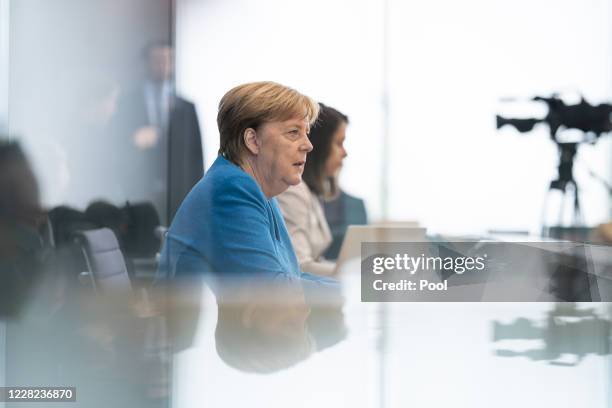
x=308 y=228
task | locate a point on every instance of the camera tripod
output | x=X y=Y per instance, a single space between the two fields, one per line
x=567 y=153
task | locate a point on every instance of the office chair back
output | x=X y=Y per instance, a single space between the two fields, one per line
x=105 y=262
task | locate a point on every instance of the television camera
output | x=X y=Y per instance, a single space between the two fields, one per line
x=593 y=120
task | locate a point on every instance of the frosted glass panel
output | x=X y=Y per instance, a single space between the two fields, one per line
x=450 y=64
x=75 y=69
x=331 y=51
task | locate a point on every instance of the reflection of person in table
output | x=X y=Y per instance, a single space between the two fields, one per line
x=268 y=325
x=262 y=325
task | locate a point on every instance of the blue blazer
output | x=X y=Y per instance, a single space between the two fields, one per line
x=227 y=227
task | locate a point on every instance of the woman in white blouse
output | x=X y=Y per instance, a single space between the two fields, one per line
x=301 y=204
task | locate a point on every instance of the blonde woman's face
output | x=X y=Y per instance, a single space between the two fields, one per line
x=283 y=147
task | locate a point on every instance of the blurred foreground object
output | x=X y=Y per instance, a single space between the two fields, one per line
x=21 y=216
x=605 y=232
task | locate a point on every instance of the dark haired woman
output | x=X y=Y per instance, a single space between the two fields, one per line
x=301 y=204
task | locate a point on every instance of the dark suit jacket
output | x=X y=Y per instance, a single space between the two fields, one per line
x=185 y=155
x=175 y=162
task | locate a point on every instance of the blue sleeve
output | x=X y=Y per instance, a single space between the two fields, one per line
x=227 y=227
x=321 y=290
x=240 y=229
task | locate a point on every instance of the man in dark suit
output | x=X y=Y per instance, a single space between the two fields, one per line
x=164 y=141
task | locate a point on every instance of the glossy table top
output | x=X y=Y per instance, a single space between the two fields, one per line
x=420 y=354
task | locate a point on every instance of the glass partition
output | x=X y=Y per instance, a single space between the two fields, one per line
x=93 y=102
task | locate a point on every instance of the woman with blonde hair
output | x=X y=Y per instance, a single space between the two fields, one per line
x=230 y=223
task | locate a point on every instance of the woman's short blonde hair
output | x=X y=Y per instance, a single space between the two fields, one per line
x=250 y=105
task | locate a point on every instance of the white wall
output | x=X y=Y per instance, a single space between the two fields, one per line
x=328 y=50
x=449 y=64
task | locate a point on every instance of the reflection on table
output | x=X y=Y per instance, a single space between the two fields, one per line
x=415 y=354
